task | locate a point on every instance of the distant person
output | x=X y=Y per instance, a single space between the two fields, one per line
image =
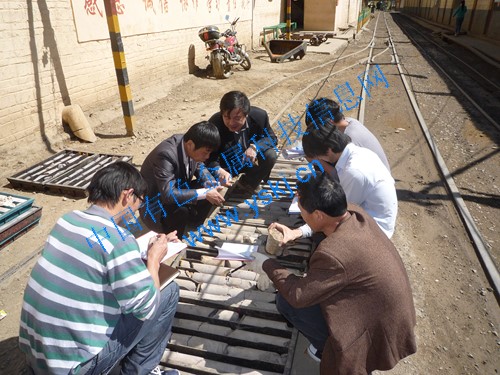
x=459 y=13
x=372 y=9
x=175 y=170
x=323 y=110
x=355 y=304
x=247 y=141
x=91 y=302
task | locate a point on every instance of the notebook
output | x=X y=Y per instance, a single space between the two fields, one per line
x=166 y=273
x=173 y=247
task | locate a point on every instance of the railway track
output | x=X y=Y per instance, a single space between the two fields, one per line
x=380 y=51
x=224 y=324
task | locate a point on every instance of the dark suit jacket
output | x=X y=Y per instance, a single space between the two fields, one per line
x=357 y=277
x=259 y=131
x=163 y=168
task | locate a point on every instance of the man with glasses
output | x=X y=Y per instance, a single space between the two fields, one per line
x=91 y=302
x=248 y=144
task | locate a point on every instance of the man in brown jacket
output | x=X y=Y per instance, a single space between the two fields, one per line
x=355 y=303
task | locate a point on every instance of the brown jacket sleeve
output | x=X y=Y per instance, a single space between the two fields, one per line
x=326 y=276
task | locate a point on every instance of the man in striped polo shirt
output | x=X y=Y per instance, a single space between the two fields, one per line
x=90 y=301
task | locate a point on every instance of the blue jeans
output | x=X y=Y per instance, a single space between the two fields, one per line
x=308 y=320
x=138 y=344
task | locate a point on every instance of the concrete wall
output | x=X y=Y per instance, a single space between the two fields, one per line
x=319 y=15
x=482 y=17
x=43 y=67
x=347 y=13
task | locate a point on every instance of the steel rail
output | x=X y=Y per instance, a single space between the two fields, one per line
x=490 y=82
x=457 y=86
x=467 y=220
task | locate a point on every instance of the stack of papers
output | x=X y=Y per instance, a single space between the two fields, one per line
x=173 y=247
x=294 y=206
x=292 y=152
x=236 y=251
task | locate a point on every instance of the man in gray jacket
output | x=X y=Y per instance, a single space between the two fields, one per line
x=326 y=111
x=180 y=187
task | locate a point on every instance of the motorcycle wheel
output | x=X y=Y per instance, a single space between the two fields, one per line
x=220 y=71
x=246 y=64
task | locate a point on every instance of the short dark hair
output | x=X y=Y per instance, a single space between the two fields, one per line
x=234 y=99
x=203 y=134
x=322 y=111
x=322 y=193
x=317 y=141
x=108 y=183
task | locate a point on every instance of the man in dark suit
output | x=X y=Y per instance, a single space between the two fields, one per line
x=174 y=198
x=248 y=144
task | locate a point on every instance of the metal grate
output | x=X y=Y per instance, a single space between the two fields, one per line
x=225 y=324
x=67 y=172
x=19 y=225
x=12 y=206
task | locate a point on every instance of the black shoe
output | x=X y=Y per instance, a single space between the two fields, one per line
x=246 y=188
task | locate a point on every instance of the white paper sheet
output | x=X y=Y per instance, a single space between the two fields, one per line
x=294 y=206
x=173 y=247
x=236 y=251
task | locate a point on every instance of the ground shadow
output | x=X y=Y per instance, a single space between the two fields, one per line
x=50 y=52
x=12 y=359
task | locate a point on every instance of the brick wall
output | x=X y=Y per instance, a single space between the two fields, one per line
x=43 y=67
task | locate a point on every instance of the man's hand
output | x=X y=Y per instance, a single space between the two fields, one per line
x=251 y=154
x=172 y=236
x=225 y=178
x=263 y=282
x=288 y=234
x=158 y=248
x=256 y=264
x=214 y=197
x=211 y=183
x=156 y=252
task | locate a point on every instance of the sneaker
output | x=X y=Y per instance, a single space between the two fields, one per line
x=158 y=371
x=314 y=353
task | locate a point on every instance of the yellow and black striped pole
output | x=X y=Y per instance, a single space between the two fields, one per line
x=120 y=65
x=289 y=19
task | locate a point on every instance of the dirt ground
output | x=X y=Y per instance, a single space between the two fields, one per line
x=457 y=313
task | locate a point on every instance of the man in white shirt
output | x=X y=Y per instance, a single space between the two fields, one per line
x=364 y=178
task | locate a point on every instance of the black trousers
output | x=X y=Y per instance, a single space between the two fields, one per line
x=179 y=217
x=255 y=174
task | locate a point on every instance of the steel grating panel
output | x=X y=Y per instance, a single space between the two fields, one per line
x=12 y=206
x=19 y=225
x=224 y=324
x=67 y=172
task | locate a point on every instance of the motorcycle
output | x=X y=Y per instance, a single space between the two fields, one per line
x=224 y=54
